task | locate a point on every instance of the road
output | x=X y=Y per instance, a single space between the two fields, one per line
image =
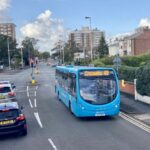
x=52 y=127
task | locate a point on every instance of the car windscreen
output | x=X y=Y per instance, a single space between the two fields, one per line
x=5 y=89
x=97 y=87
x=10 y=114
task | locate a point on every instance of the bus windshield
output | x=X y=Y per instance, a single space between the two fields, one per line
x=97 y=87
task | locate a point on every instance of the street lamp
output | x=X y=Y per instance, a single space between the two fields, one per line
x=22 y=57
x=8 y=53
x=87 y=17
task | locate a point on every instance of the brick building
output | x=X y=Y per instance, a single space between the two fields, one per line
x=140 y=44
x=135 y=43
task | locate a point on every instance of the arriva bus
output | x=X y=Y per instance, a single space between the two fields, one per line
x=88 y=91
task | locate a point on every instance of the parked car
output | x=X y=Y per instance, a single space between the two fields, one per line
x=12 y=120
x=8 y=82
x=7 y=91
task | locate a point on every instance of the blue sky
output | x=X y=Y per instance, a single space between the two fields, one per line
x=113 y=16
x=41 y=19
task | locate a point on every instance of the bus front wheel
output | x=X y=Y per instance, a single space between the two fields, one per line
x=70 y=109
x=58 y=96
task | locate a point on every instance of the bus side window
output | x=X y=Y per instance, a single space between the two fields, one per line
x=72 y=84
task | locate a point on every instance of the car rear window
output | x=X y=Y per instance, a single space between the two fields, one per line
x=5 y=89
x=9 y=114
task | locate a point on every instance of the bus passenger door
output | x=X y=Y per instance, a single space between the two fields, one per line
x=72 y=92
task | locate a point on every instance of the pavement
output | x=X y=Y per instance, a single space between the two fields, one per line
x=52 y=127
x=135 y=108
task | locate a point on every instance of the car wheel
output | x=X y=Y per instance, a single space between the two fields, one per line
x=24 y=132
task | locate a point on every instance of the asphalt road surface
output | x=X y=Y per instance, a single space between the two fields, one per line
x=52 y=127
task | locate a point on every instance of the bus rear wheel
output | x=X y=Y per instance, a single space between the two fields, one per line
x=58 y=96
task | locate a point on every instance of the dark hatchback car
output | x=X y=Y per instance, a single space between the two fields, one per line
x=12 y=120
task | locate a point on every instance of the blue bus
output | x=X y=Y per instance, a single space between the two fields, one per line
x=88 y=91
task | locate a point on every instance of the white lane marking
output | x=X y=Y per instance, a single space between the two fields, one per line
x=143 y=116
x=27 y=88
x=36 y=87
x=135 y=122
x=35 y=104
x=52 y=144
x=30 y=103
x=28 y=94
x=38 y=119
x=35 y=93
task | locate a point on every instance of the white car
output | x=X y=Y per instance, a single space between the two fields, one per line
x=8 y=82
x=7 y=92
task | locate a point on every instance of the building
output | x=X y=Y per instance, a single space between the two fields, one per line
x=85 y=37
x=8 y=29
x=140 y=43
x=135 y=43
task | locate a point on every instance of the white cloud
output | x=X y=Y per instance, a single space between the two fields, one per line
x=46 y=29
x=144 y=22
x=4 y=4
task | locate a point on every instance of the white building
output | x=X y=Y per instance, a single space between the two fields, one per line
x=85 y=37
x=8 y=29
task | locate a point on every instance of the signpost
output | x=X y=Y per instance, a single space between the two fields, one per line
x=117 y=62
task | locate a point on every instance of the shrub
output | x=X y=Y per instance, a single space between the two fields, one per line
x=97 y=63
x=133 y=61
x=107 y=60
x=127 y=73
x=143 y=80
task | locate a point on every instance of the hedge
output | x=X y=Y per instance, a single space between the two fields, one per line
x=127 y=73
x=143 y=80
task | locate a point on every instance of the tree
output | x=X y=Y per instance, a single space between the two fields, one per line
x=103 y=47
x=69 y=50
x=4 y=41
x=29 y=49
x=45 y=55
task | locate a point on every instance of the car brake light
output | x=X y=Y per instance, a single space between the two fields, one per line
x=21 y=117
x=11 y=94
x=5 y=110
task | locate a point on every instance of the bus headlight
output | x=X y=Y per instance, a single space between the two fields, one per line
x=81 y=107
x=116 y=106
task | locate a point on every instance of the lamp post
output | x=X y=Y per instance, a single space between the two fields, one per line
x=91 y=47
x=8 y=53
x=22 y=57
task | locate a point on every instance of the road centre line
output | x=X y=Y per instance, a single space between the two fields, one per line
x=36 y=87
x=35 y=103
x=38 y=119
x=27 y=88
x=35 y=93
x=30 y=103
x=135 y=122
x=27 y=93
x=52 y=144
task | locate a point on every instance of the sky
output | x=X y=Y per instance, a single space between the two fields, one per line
x=49 y=20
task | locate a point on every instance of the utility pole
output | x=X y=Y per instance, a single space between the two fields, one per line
x=22 y=58
x=8 y=53
x=91 y=43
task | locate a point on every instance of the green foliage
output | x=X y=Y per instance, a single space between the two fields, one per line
x=4 y=42
x=135 y=61
x=127 y=73
x=45 y=55
x=82 y=62
x=143 y=79
x=98 y=63
x=69 y=50
x=107 y=60
x=29 y=50
x=103 y=47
